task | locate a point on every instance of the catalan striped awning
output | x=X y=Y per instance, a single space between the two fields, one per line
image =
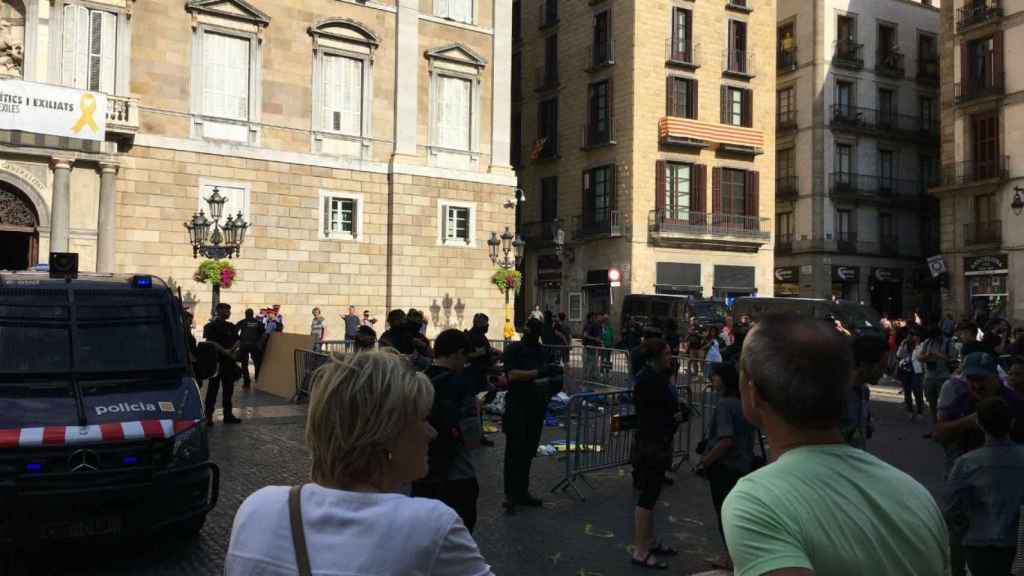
x=673 y=127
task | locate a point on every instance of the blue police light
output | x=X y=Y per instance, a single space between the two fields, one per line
x=142 y=281
x=34 y=467
x=130 y=460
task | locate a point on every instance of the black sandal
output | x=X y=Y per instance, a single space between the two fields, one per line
x=660 y=549
x=646 y=562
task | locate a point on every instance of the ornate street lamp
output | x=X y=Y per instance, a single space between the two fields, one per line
x=211 y=240
x=506 y=252
x=1017 y=204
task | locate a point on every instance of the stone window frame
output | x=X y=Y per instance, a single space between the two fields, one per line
x=467 y=66
x=578 y=297
x=249 y=25
x=358 y=221
x=360 y=44
x=442 y=215
x=474 y=12
x=123 y=51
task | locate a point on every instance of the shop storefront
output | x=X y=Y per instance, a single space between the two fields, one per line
x=787 y=281
x=732 y=282
x=886 y=288
x=598 y=292
x=986 y=278
x=549 y=283
x=846 y=283
x=678 y=278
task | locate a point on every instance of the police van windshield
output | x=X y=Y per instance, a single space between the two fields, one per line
x=87 y=331
x=860 y=316
x=710 y=312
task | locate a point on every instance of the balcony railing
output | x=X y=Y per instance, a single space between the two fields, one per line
x=702 y=224
x=542 y=232
x=847 y=243
x=890 y=63
x=787 y=187
x=545 y=77
x=596 y=224
x=977 y=12
x=596 y=134
x=858 y=119
x=850 y=184
x=548 y=13
x=739 y=62
x=889 y=244
x=960 y=173
x=973 y=88
x=679 y=54
x=785 y=120
x=122 y=114
x=928 y=70
x=784 y=244
x=600 y=55
x=786 y=59
x=849 y=55
x=990 y=232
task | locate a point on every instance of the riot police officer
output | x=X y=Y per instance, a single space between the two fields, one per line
x=533 y=380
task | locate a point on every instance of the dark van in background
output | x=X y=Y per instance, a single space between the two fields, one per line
x=859 y=319
x=101 y=430
x=654 y=308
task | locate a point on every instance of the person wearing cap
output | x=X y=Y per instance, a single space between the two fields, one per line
x=531 y=384
x=985 y=492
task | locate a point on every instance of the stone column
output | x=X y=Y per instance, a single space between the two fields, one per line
x=106 y=228
x=407 y=42
x=60 y=205
x=501 y=69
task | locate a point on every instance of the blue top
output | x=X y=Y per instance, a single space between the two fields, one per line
x=728 y=421
x=985 y=493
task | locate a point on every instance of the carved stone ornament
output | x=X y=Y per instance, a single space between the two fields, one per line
x=15 y=211
x=12 y=49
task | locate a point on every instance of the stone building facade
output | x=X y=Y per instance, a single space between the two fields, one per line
x=643 y=138
x=366 y=142
x=982 y=188
x=857 y=137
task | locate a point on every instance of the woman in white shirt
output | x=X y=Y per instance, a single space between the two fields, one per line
x=368 y=435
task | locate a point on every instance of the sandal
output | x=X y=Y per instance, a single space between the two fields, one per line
x=660 y=549
x=646 y=562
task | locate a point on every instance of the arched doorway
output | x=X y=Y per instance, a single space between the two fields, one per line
x=19 y=235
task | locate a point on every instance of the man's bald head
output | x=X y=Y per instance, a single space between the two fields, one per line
x=800 y=367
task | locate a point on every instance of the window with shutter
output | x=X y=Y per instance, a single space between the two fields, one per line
x=226 y=76
x=343 y=94
x=442 y=8
x=456 y=224
x=678 y=179
x=453 y=112
x=88 y=49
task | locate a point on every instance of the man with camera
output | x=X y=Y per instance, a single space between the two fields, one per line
x=533 y=380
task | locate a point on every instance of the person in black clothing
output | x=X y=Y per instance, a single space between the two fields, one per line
x=250 y=345
x=451 y=476
x=482 y=358
x=223 y=335
x=657 y=418
x=396 y=318
x=532 y=382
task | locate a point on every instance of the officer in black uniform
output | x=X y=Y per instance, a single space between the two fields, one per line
x=251 y=340
x=223 y=335
x=532 y=382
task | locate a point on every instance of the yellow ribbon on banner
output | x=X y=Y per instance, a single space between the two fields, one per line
x=88 y=106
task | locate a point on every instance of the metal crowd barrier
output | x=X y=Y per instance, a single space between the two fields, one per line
x=338 y=346
x=306 y=362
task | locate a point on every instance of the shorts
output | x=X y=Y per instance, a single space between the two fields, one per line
x=648 y=482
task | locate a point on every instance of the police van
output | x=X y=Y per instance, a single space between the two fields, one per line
x=101 y=432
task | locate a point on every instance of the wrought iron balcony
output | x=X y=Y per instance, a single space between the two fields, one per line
x=977 y=12
x=784 y=244
x=989 y=232
x=875 y=122
x=738 y=63
x=960 y=173
x=849 y=55
x=787 y=188
x=847 y=243
x=600 y=55
x=786 y=59
x=890 y=63
x=599 y=134
x=122 y=114
x=675 y=223
x=678 y=53
x=869 y=185
x=597 y=224
x=928 y=70
x=980 y=87
x=785 y=120
x=539 y=233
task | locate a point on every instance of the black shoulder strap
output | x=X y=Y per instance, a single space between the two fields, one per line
x=298 y=534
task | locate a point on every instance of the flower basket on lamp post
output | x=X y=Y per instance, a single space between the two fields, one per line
x=216 y=273
x=212 y=240
x=506 y=253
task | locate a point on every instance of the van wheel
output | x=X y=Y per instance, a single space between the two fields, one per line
x=192 y=526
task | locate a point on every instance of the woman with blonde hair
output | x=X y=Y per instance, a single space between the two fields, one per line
x=368 y=435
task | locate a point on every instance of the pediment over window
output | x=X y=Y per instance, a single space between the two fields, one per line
x=238 y=10
x=344 y=30
x=457 y=54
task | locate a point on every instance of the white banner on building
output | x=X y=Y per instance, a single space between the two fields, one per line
x=54 y=110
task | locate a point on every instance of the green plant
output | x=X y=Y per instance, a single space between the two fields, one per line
x=507 y=279
x=216 y=272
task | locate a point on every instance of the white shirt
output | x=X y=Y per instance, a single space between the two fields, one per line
x=915 y=359
x=352 y=534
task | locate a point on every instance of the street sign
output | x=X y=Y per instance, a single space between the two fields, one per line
x=614 y=277
x=787 y=274
x=937 y=265
x=845 y=274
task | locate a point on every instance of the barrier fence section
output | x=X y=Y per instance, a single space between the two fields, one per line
x=306 y=362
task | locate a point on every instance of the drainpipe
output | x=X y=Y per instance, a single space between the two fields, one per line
x=389 y=274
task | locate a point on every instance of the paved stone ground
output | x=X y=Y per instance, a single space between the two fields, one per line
x=567 y=537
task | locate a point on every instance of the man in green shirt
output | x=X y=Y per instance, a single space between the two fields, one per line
x=822 y=508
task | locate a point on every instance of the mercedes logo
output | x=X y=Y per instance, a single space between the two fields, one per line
x=84 y=461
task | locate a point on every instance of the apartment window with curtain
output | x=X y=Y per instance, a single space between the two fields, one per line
x=886 y=172
x=453 y=112
x=598 y=190
x=89 y=49
x=844 y=230
x=682 y=97
x=985 y=145
x=602 y=48
x=886 y=107
x=843 y=163
x=599 y=114
x=678 y=182
x=342 y=79
x=844 y=98
x=784 y=227
x=225 y=76
x=737 y=106
x=734 y=192
x=737 y=56
x=682 y=41
x=786 y=104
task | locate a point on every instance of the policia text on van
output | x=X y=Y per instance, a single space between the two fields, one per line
x=100 y=417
